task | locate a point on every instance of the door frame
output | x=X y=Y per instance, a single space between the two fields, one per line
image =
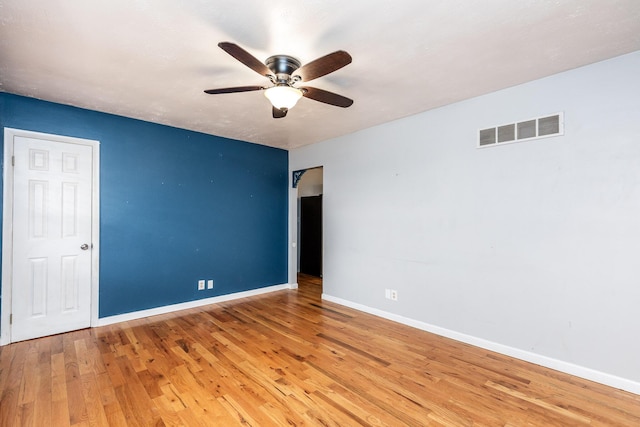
x=7 y=222
x=295 y=176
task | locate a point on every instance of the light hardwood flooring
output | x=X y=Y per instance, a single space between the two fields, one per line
x=286 y=359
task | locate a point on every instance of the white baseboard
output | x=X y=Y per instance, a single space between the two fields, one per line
x=189 y=304
x=538 y=359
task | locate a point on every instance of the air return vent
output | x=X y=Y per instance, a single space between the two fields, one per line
x=541 y=127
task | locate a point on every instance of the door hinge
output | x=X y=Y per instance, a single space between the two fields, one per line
x=11 y=319
x=13 y=160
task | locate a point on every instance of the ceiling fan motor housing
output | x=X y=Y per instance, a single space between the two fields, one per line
x=282 y=64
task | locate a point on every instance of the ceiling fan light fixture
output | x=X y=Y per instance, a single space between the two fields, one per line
x=283 y=96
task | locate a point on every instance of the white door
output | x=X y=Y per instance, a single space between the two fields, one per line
x=52 y=230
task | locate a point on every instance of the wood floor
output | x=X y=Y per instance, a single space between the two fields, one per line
x=286 y=359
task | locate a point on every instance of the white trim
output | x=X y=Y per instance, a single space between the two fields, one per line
x=292 y=250
x=538 y=359
x=189 y=304
x=7 y=239
x=95 y=236
x=7 y=223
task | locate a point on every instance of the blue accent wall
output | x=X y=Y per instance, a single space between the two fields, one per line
x=175 y=206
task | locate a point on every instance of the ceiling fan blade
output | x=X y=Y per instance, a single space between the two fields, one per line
x=323 y=66
x=326 y=97
x=233 y=89
x=245 y=57
x=279 y=113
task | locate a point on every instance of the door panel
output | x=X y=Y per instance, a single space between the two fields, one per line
x=52 y=196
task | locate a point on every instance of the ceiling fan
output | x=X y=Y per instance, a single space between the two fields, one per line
x=284 y=72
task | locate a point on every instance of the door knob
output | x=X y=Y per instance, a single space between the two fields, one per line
x=84 y=247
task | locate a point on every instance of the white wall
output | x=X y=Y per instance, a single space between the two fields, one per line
x=532 y=248
x=311 y=183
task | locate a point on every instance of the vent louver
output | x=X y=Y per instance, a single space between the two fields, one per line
x=540 y=127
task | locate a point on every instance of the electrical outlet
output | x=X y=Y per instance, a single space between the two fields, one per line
x=210 y=284
x=391 y=294
x=201 y=285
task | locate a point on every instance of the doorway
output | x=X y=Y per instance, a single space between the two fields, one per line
x=311 y=235
x=310 y=232
x=50 y=235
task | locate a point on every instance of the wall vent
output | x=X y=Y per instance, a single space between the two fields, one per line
x=525 y=130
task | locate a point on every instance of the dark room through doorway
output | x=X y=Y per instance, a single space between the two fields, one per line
x=310 y=233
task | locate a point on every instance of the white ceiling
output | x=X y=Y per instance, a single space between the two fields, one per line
x=152 y=59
